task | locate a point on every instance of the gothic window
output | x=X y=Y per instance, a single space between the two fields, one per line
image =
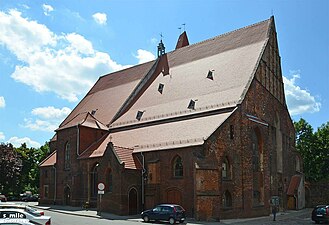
x=257 y=168
x=231 y=132
x=225 y=169
x=46 y=191
x=227 y=199
x=255 y=153
x=178 y=167
x=67 y=153
x=94 y=180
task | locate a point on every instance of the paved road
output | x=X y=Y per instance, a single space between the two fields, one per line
x=61 y=215
x=291 y=218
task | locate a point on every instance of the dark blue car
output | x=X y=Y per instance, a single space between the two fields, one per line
x=320 y=213
x=165 y=212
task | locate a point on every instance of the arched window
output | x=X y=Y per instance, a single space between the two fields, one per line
x=109 y=180
x=257 y=167
x=67 y=153
x=226 y=169
x=227 y=199
x=178 y=167
x=94 y=180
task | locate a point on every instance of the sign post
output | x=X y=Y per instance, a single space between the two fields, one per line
x=101 y=187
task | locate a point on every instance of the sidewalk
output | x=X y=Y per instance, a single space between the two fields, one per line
x=78 y=211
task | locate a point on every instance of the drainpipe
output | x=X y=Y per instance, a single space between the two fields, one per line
x=55 y=181
x=78 y=140
x=143 y=188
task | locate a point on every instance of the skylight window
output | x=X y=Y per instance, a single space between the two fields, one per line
x=210 y=75
x=160 y=88
x=191 y=105
x=139 y=115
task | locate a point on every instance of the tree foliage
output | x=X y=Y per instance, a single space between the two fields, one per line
x=314 y=149
x=10 y=167
x=20 y=168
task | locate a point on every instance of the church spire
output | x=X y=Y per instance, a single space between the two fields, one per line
x=161 y=48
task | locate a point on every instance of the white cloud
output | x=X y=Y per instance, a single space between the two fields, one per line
x=17 y=142
x=2 y=102
x=46 y=118
x=299 y=100
x=2 y=136
x=144 y=56
x=65 y=64
x=100 y=18
x=47 y=9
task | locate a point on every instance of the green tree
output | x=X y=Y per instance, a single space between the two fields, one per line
x=322 y=137
x=31 y=157
x=10 y=168
x=313 y=148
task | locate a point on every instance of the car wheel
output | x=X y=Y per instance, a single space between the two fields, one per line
x=146 y=219
x=171 y=220
x=182 y=221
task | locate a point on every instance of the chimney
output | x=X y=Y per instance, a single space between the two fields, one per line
x=182 y=40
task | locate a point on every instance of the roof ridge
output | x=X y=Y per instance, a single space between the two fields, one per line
x=221 y=35
x=127 y=68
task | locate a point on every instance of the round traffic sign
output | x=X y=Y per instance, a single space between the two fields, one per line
x=101 y=186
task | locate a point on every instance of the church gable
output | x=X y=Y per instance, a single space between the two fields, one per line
x=269 y=72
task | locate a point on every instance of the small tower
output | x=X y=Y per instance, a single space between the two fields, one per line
x=161 y=49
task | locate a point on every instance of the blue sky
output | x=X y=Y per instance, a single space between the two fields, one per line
x=52 y=52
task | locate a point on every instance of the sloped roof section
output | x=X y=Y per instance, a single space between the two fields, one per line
x=85 y=119
x=97 y=149
x=294 y=183
x=50 y=160
x=232 y=59
x=124 y=155
x=107 y=95
x=173 y=135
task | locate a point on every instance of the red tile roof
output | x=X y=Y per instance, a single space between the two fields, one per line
x=166 y=122
x=50 y=160
x=125 y=155
x=294 y=183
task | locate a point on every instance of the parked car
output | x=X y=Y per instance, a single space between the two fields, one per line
x=16 y=213
x=29 y=198
x=16 y=222
x=29 y=209
x=3 y=198
x=165 y=212
x=320 y=213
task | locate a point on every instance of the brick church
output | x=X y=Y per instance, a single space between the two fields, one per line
x=205 y=126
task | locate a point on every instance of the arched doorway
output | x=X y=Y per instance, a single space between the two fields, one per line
x=67 y=195
x=132 y=201
x=174 y=196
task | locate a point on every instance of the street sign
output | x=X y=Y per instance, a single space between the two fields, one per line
x=101 y=186
x=100 y=192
